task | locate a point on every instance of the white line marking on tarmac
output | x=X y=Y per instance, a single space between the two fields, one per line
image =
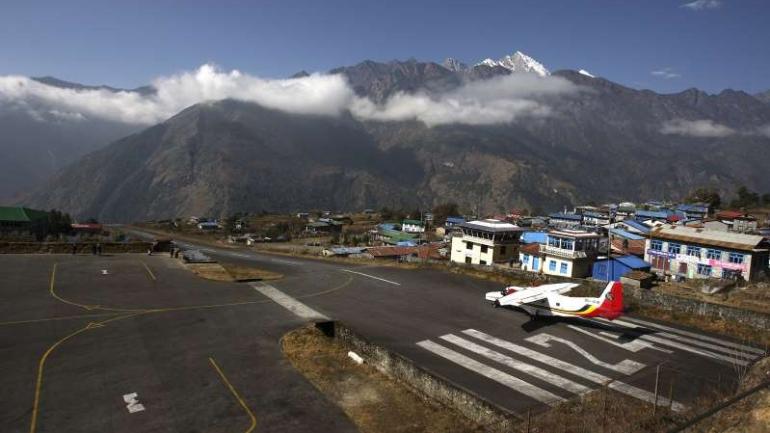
x=498 y=376
x=695 y=335
x=650 y=345
x=659 y=337
x=576 y=370
x=132 y=403
x=530 y=369
x=371 y=276
x=288 y=302
x=625 y=366
x=631 y=346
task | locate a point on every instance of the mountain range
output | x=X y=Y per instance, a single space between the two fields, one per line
x=603 y=142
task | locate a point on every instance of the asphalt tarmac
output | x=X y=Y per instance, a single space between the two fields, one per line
x=77 y=343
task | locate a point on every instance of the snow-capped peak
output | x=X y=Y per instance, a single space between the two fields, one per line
x=518 y=62
x=454 y=65
x=586 y=73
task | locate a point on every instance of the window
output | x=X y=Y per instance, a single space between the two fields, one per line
x=502 y=250
x=656 y=245
x=674 y=248
x=736 y=258
x=469 y=245
x=483 y=248
x=552 y=265
x=468 y=260
x=693 y=251
x=553 y=242
x=713 y=254
x=567 y=244
x=704 y=269
x=563 y=268
x=482 y=262
x=525 y=258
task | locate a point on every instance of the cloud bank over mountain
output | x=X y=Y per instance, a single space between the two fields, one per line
x=498 y=100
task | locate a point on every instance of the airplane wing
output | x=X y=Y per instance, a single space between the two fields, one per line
x=535 y=294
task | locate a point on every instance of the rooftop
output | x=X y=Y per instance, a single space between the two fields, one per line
x=573 y=234
x=490 y=225
x=565 y=216
x=21 y=214
x=737 y=241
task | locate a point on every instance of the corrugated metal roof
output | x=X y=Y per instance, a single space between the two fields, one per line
x=633 y=262
x=21 y=214
x=717 y=238
x=625 y=234
x=534 y=237
x=565 y=216
x=652 y=214
x=637 y=225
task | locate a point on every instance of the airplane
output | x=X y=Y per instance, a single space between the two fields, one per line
x=549 y=300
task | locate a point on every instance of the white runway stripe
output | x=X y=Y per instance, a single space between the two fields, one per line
x=696 y=335
x=703 y=352
x=498 y=376
x=371 y=276
x=660 y=334
x=530 y=369
x=631 y=346
x=288 y=302
x=651 y=346
x=626 y=366
x=576 y=370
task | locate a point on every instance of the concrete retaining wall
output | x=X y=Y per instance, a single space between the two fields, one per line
x=427 y=383
x=66 y=247
x=668 y=302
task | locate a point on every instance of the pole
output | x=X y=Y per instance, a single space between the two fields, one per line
x=529 y=419
x=670 y=393
x=657 y=376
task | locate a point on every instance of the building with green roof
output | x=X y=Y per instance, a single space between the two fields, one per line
x=22 y=219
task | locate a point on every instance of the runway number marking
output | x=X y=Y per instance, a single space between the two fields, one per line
x=626 y=366
x=132 y=402
x=371 y=276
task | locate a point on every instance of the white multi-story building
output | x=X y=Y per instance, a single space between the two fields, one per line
x=566 y=253
x=691 y=252
x=486 y=242
x=412 y=226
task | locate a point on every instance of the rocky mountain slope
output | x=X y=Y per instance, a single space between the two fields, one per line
x=605 y=142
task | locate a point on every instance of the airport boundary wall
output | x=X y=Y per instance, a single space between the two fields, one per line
x=492 y=417
x=66 y=247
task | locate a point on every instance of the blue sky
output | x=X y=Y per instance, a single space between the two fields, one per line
x=721 y=44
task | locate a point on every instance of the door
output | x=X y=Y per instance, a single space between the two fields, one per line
x=535 y=263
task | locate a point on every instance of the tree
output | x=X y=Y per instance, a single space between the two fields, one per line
x=746 y=198
x=766 y=199
x=444 y=210
x=705 y=195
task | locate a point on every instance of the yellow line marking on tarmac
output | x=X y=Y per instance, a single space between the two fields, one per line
x=324 y=292
x=44 y=358
x=52 y=291
x=148 y=270
x=55 y=318
x=236 y=395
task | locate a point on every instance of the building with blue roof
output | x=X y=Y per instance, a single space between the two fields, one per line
x=534 y=238
x=626 y=235
x=452 y=221
x=635 y=227
x=616 y=267
x=655 y=215
x=565 y=220
x=693 y=211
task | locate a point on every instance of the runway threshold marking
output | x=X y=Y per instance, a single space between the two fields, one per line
x=235 y=394
x=286 y=301
x=576 y=370
x=371 y=276
x=498 y=376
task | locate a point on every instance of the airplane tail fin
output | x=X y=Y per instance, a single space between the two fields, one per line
x=611 y=301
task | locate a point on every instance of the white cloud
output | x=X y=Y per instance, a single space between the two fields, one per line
x=764 y=131
x=315 y=94
x=703 y=128
x=496 y=100
x=666 y=73
x=699 y=5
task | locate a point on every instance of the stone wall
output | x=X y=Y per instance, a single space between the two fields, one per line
x=492 y=417
x=668 y=302
x=66 y=247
